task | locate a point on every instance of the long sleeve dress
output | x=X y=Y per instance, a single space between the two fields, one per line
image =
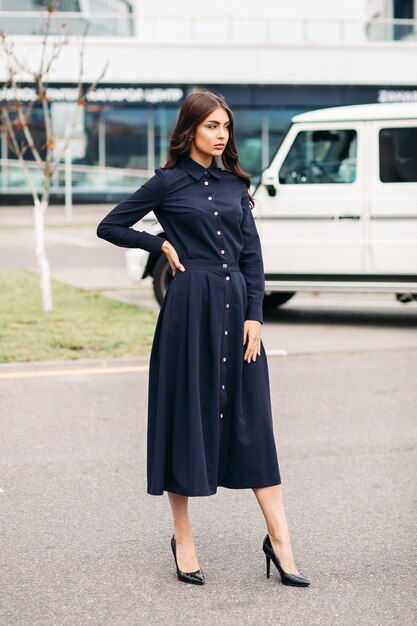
x=209 y=411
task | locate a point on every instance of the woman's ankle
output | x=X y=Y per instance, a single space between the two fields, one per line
x=280 y=536
x=183 y=535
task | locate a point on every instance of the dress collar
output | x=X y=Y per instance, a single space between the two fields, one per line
x=196 y=170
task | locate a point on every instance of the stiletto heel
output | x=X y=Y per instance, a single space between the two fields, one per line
x=268 y=566
x=295 y=580
x=196 y=578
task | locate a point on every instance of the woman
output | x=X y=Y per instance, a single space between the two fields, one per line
x=209 y=409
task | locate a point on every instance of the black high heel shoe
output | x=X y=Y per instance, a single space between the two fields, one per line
x=295 y=580
x=196 y=578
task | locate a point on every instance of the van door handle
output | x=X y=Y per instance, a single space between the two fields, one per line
x=349 y=216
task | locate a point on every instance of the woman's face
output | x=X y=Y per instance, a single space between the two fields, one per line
x=211 y=136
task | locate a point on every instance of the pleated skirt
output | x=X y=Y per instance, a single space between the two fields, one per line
x=209 y=411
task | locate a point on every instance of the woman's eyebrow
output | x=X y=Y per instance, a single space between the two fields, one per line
x=217 y=122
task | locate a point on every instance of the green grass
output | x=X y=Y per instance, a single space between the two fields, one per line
x=83 y=324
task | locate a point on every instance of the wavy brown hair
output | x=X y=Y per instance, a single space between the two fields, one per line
x=195 y=108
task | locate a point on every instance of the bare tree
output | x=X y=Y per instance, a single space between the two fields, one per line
x=17 y=119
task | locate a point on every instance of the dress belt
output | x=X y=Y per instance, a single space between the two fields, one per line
x=210 y=264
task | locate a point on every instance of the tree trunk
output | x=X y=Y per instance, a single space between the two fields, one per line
x=43 y=263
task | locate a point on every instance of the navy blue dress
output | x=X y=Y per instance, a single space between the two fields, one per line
x=209 y=411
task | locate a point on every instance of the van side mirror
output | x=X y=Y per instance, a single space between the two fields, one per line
x=270 y=182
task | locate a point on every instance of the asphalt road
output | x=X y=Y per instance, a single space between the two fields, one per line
x=83 y=543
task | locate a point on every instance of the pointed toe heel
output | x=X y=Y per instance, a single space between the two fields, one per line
x=195 y=578
x=293 y=580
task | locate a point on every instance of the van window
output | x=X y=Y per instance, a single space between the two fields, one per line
x=320 y=157
x=398 y=155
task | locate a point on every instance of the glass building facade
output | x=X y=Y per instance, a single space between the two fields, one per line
x=129 y=136
x=123 y=132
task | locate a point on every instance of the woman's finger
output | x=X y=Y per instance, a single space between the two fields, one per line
x=255 y=348
x=175 y=264
x=252 y=349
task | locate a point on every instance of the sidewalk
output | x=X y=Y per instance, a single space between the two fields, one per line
x=82 y=214
x=76 y=255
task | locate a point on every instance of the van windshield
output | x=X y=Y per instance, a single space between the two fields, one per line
x=321 y=157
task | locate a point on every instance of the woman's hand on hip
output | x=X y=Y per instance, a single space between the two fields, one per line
x=252 y=334
x=172 y=257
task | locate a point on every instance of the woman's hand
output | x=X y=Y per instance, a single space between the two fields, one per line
x=172 y=257
x=252 y=333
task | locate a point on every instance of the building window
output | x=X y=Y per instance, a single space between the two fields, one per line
x=248 y=135
x=403 y=10
x=63 y=5
x=101 y=26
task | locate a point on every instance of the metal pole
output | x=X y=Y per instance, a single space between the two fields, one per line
x=265 y=139
x=101 y=139
x=4 y=153
x=68 y=184
x=151 y=141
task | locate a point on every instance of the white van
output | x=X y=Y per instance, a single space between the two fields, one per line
x=336 y=209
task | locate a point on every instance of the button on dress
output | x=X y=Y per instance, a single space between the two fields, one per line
x=209 y=411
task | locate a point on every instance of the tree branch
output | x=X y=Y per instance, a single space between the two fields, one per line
x=19 y=155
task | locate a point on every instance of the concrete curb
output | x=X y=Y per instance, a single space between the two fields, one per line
x=75 y=363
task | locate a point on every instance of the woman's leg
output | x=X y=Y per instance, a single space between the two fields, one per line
x=186 y=556
x=272 y=504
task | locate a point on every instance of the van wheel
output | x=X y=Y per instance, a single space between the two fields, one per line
x=272 y=300
x=162 y=276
